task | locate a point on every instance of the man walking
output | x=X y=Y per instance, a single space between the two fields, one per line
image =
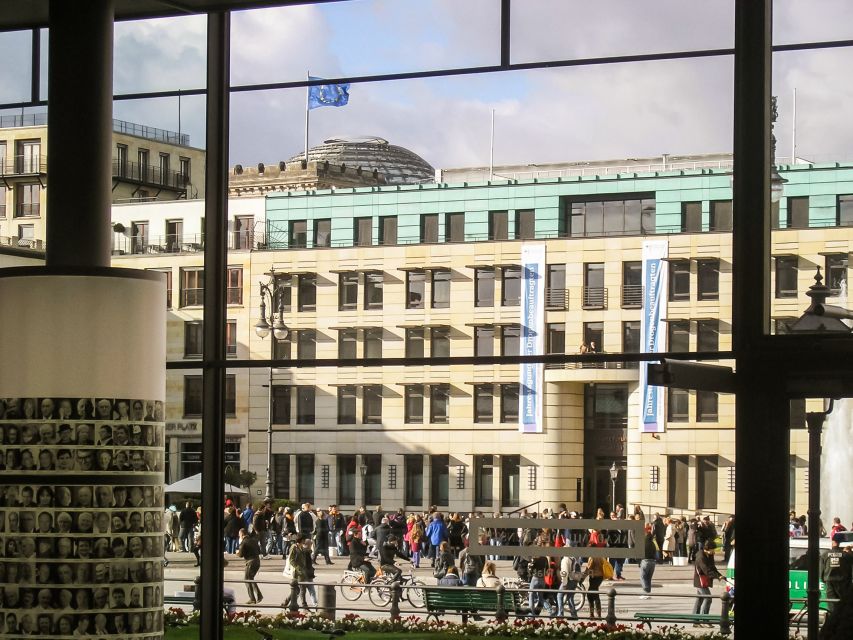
x=188 y=520
x=250 y=551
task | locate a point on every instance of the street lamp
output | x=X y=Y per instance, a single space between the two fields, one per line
x=614 y=473
x=273 y=321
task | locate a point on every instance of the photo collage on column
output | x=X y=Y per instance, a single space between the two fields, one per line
x=81 y=559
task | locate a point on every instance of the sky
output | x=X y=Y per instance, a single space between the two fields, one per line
x=549 y=115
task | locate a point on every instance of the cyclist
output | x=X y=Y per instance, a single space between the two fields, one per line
x=387 y=552
x=358 y=556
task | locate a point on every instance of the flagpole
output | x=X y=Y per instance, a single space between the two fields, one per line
x=794 y=130
x=492 y=149
x=307 y=111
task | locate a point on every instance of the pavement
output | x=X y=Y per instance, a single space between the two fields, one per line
x=672 y=587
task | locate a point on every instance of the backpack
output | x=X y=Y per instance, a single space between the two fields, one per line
x=606 y=569
x=469 y=565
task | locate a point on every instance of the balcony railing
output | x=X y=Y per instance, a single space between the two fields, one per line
x=192 y=297
x=556 y=298
x=23 y=165
x=234 y=295
x=22 y=243
x=591 y=365
x=595 y=297
x=606 y=422
x=242 y=240
x=23 y=210
x=149 y=174
x=632 y=296
x=170 y=243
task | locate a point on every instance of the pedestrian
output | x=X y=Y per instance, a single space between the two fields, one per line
x=451 y=578
x=617 y=539
x=321 y=537
x=595 y=571
x=472 y=565
x=837 y=573
x=489 y=579
x=188 y=520
x=659 y=531
x=704 y=574
x=538 y=567
x=669 y=541
x=233 y=524
x=196 y=547
x=250 y=551
x=416 y=538
x=436 y=533
x=443 y=561
x=569 y=575
x=648 y=563
x=728 y=537
x=260 y=525
x=288 y=532
x=276 y=526
x=692 y=535
x=300 y=559
x=456 y=532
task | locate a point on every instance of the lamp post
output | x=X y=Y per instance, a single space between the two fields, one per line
x=614 y=473
x=273 y=321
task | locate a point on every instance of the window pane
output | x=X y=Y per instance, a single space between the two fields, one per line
x=509 y=402
x=305 y=478
x=498 y=225
x=706 y=406
x=415 y=289
x=677 y=401
x=388 y=230
x=414 y=474
x=415 y=343
x=525 y=224
x=414 y=404
x=556 y=337
x=798 y=213
x=678 y=468
x=429 y=227
x=441 y=289
x=510 y=481
x=306 y=345
x=304 y=404
x=373 y=343
x=484 y=294
x=483 y=402
x=347 y=290
x=439 y=402
x=371 y=404
x=307 y=292
x=373 y=282
x=439 y=342
x=836 y=272
x=720 y=218
x=511 y=295
x=679 y=280
x=707 y=470
x=510 y=340
x=346 y=404
x=786 y=277
x=280 y=404
x=322 y=233
x=363 y=232
x=193 y=339
x=679 y=336
x=346 y=479
x=439 y=480
x=483 y=479
x=709 y=279
x=373 y=480
x=484 y=341
x=454 y=227
x=691 y=217
x=708 y=335
x=347 y=341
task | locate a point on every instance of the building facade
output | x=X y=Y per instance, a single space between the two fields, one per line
x=434 y=270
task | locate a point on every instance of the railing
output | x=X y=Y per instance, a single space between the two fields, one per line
x=23 y=165
x=151 y=133
x=23 y=120
x=592 y=365
x=26 y=210
x=606 y=422
x=170 y=243
x=234 y=295
x=192 y=297
x=556 y=298
x=242 y=240
x=632 y=296
x=595 y=297
x=22 y=243
x=150 y=174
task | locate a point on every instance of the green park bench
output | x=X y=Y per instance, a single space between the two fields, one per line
x=465 y=601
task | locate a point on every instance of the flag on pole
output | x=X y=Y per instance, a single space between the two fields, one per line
x=327 y=95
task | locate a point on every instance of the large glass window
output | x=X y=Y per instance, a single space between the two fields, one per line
x=441 y=289
x=786 y=276
x=192 y=286
x=305 y=477
x=373 y=479
x=836 y=272
x=691 y=217
x=194 y=401
x=371 y=404
x=347 y=343
x=631 y=339
x=439 y=480
x=510 y=481
x=483 y=402
x=373 y=282
x=632 y=285
x=373 y=342
x=346 y=479
x=594 y=292
x=498 y=225
x=439 y=346
x=798 y=213
x=298 y=234
x=323 y=233
x=305 y=404
x=556 y=337
x=511 y=292
x=281 y=404
x=415 y=342
x=678 y=468
x=677 y=404
x=307 y=291
x=509 y=402
x=306 y=344
x=707 y=472
x=484 y=287
x=708 y=272
x=845 y=211
x=439 y=403
x=414 y=480
x=363 y=231
x=414 y=410
x=347 y=290
x=454 y=227
x=510 y=340
x=605 y=406
x=484 y=473
x=525 y=224
x=593 y=336
x=706 y=406
x=234 y=292
x=679 y=280
x=281 y=475
x=707 y=335
x=193 y=343
x=415 y=289
x=346 y=404
x=720 y=218
x=388 y=230
x=27 y=200
x=556 y=295
x=429 y=227
x=679 y=335
x=484 y=341
x=606 y=217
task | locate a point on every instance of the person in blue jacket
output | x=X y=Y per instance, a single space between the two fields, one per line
x=436 y=533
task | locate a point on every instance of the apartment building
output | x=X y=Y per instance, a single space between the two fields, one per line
x=435 y=270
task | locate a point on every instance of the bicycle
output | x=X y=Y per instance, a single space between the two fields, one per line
x=381 y=595
x=353 y=584
x=578 y=596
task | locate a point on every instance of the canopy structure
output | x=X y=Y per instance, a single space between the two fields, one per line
x=193 y=485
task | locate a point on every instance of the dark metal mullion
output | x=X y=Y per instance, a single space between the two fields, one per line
x=506 y=32
x=214 y=359
x=35 y=72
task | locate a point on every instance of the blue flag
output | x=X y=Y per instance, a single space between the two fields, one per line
x=327 y=95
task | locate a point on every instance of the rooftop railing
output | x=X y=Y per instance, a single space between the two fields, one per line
x=150 y=174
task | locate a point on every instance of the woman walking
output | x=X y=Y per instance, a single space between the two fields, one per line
x=321 y=537
x=703 y=577
x=596 y=575
x=250 y=551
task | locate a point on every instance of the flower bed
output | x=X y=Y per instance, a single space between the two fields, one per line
x=514 y=628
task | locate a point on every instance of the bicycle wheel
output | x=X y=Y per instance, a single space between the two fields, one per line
x=415 y=594
x=579 y=599
x=380 y=595
x=352 y=587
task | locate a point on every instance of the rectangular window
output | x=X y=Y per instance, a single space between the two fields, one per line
x=484 y=287
x=679 y=280
x=244 y=232
x=305 y=477
x=346 y=404
x=28 y=156
x=631 y=339
x=139 y=236
x=511 y=289
x=556 y=296
x=415 y=342
x=844 y=215
x=691 y=217
x=594 y=292
x=168 y=273
x=346 y=479
x=786 y=276
x=193 y=343
x=305 y=395
x=371 y=404
x=373 y=283
x=498 y=225
x=454 y=227
x=483 y=478
x=484 y=403
x=429 y=227
x=26 y=235
x=184 y=164
x=373 y=479
x=231 y=338
x=281 y=404
x=388 y=230
x=347 y=341
x=706 y=406
x=708 y=335
x=678 y=468
x=306 y=344
x=510 y=340
x=677 y=401
x=509 y=402
x=194 y=401
x=190 y=458
x=525 y=224
x=323 y=233
x=281 y=348
x=836 y=272
x=632 y=285
x=414 y=404
x=174 y=236
x=373 y=342
x=347 y=290
x=441 y=289
x=593 y=335
x=307 y=291
x=439 y=344
x=281 y=475
x=720 y=218
x=192 y=287
x=605 y=406
x=484 y=341
x=510 y=481
x=234 y=284
x=593 y=216
x=415 y=289
x=707 y=472
x=679 y=336
x=298 y=234
x=363 y=231
x=439 y=403
x=414 y=480
x=164 y=169
x=439 y=481
x=708 y=276
x=798 y=213
x=556 y=337
x=27 y=200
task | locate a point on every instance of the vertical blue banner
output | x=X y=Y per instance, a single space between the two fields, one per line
x=652 y=330
x=532 y=338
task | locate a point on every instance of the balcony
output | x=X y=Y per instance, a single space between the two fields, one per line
x=556 y=299
x=632 y=296
x=27 y=210
x=149 y=175
x=192 y=297
x=595 y=297
x=23 y=165
x=234 y=295
x=242 y=240
x=170 y=243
